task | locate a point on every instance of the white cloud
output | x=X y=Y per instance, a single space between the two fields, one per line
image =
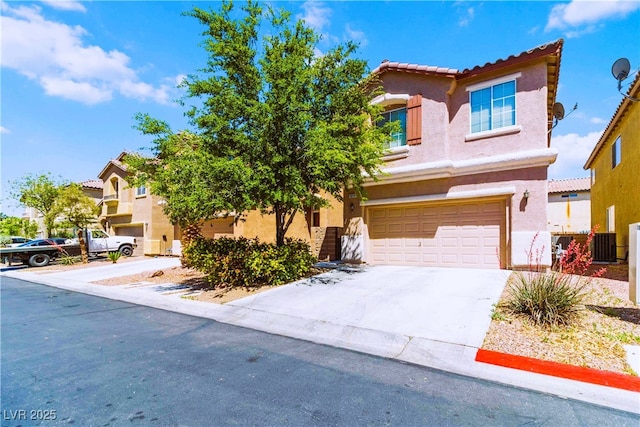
x=316 y=15
x=72 y=5
x=597 y=121
x=55 y=55
x=467 y=17
x=4 y=130
x=573 y=152
x=356 y=35
x=587 y=13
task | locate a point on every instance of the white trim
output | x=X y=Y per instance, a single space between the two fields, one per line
x=506 y=130
x=489 y=83
x=449 y=168
x=390 y=98
x=396 y=153
x=455 y=195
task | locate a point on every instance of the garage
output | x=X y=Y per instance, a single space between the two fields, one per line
x=134 y=231
x=460 y=234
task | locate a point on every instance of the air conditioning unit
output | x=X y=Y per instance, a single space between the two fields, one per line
x=604 y=247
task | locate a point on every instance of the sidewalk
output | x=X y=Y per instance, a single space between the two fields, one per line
x=367 y=315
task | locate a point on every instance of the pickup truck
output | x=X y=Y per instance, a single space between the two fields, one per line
x=38 y=253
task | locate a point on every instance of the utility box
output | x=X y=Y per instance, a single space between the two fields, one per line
x=634 y=262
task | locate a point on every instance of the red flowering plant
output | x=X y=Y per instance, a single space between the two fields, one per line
x=552 y=297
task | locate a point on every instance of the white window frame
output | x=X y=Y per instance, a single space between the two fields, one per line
x=405 y=126
x=610 y=219
x=142 y=193
x=616 y=152
x=484 y=85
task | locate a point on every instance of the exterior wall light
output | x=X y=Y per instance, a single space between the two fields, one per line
x=352 y=207
x=526 y=194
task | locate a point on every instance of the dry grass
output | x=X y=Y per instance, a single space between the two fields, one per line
x=595 y=339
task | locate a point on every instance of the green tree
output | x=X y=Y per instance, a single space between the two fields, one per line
x=39 y=192
x=275 y=125
x=14 y=226
x=78 y=210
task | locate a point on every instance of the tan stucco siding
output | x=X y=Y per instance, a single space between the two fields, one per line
x=569 y=214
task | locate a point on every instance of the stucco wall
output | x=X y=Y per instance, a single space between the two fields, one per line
x=569 y=214
x=619 y=186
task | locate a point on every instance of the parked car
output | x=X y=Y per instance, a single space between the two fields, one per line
x=52 y=241
x=16 y=241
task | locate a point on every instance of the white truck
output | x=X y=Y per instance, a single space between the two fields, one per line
x=38 y=253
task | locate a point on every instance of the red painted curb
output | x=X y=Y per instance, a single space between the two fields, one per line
x=588 y=375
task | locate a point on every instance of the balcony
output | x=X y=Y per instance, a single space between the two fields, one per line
x=111 y=200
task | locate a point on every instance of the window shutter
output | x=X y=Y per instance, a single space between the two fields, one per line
x=414 y=120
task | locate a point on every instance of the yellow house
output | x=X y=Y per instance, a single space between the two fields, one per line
x=135 y=212
x=615 y=173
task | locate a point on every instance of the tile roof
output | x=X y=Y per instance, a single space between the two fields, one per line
x=570 y=184
x=551 y=51
x=93 y=183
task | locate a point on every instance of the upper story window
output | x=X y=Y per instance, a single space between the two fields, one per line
x=565 y=196
x=593 y=176
x=141 y=191
x=493 y=107
x=115 y=187
x=398 y=139
x=616 y=153
x=493 y=104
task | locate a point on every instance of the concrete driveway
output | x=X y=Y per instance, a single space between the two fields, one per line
x=447 y=305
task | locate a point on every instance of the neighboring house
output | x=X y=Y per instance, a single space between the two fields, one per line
x=465 y=181
x=569 y=208
x=136 y=212
x=92 y=188
x=615 y=178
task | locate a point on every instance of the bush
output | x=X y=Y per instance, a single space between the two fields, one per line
x=114 y=256
x=551 y=298
x=248 y=263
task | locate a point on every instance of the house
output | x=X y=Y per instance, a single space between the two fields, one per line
x=137 y=212
x=92 y=188
x=615 y=179
x=464 y=183
x=569 y=206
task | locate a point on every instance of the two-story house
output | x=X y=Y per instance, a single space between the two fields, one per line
x=615 y=178
x=136 y=212
x=464 y=183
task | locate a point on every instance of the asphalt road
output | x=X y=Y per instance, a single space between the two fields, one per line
x=73 y=359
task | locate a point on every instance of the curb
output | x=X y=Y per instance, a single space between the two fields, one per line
x=571 y=372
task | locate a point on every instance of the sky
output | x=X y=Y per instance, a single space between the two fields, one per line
x=74 y=74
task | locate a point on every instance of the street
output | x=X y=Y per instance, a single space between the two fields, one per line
x=69 y=358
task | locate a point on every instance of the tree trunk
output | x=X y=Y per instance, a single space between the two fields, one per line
x=282 y=223
x=83 y=246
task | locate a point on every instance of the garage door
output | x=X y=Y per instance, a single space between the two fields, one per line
x=134 y=231
x=445 y=235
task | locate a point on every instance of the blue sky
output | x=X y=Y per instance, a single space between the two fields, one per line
x=74 y=74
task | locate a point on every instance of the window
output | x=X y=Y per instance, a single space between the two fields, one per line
x=315 y=218
x=114 y=186
x=493 y=107
x=593 y=176
x=611 y=219
x=398 y=139
x=141 y=191
x=565 y=196
x=616 y=153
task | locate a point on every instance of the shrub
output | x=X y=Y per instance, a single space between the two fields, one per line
x=243 y=262
x=114 y=256
x=67 y=259
x=551 y=298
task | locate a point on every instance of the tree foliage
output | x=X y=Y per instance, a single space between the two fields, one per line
x=14 y=226
x=276 y=125
x=39 y=192
x=78 y=210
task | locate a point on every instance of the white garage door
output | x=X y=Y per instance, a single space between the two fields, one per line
x=134 y=231
x=443 y=235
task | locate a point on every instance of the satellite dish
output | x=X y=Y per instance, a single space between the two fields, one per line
x=620 y=69
x=558 y=111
